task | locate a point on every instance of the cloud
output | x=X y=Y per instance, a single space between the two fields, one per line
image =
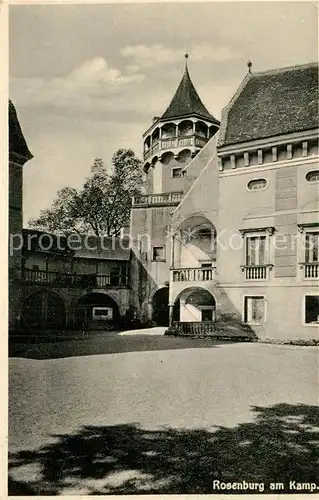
x=97 y=71
x=144 y=56
x=96 y=89
x=79 y=88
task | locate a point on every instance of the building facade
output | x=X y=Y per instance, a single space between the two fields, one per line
x=60 y=282
x=243 y=246
x=225 y=238
x=73 y=282
x=259 y=196
x=170 y=145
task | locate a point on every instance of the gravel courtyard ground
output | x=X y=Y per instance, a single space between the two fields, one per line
x=170 y=416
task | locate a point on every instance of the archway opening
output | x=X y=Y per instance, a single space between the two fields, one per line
x=168 y=131
x=185 y=128
x=201 y=129
x=195 y=305
x=184 y=156
x=160 y=307
x=195 y=244
x=155 y=137
x=43 y=309
x=147 y=144
x=167 y=157
x=96 y=311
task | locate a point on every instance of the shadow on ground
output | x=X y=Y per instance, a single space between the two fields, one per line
x=280 y=445
x=107 y=344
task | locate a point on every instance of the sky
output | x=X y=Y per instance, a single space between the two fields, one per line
x=87 y=79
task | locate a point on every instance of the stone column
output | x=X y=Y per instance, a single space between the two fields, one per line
x=170 y=316
x=172 y=250
x=149 y=310
x=194 y=132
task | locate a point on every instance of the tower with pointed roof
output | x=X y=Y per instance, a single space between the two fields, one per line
x=176 y=137
x=169 y=146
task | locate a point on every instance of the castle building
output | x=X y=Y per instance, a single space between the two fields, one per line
x=242 y=211
x=53 y=284
x=73 y=281
x=225 y=238
x=170 y=144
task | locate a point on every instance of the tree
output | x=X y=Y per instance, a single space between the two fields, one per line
x=102 y=206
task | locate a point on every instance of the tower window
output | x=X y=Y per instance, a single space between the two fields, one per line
x=158 y=254
x=176 y=172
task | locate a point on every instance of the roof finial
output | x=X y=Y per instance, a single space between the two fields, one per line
x=249 y=64
x=186 y=57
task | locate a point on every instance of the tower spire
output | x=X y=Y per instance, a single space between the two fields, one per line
x=186 y=100
x=186 y=55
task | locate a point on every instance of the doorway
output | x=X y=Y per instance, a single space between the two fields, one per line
x=160 y=307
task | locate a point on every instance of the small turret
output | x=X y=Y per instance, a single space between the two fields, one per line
x=177 y=136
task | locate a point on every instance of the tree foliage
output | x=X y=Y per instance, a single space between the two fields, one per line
x=102 y=205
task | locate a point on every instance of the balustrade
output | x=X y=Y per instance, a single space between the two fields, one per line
x=200 y=141
x=194 y=328
x=173 y=142
x=256 y=272
x=194 y=274
x=173 y=198
x=155 y=146
x=185 y=141
x=72 y=280
x=311 y=270
x=168 y=143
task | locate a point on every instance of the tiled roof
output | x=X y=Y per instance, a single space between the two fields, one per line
x=187 y=102
x=104 y=248
x=41 y=241
x=272 y=103
x=17 y=142
x=80 y=246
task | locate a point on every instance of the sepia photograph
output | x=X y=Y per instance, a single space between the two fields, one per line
x=163 y=248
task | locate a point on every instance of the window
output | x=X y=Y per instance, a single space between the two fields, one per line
x=102 y=313
x=115 y=277
x=312 y=309
x=311 y=247
x=176 y=172
x=205 y=233
x=254 y=310
x=313 y=176
x=206 y=265
x=207 y=314
x=35 y=267
x=257 y=259
x=158 y=254
x=257 y=184
x=255 y=250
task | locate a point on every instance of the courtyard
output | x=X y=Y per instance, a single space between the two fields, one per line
x=150 y=414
